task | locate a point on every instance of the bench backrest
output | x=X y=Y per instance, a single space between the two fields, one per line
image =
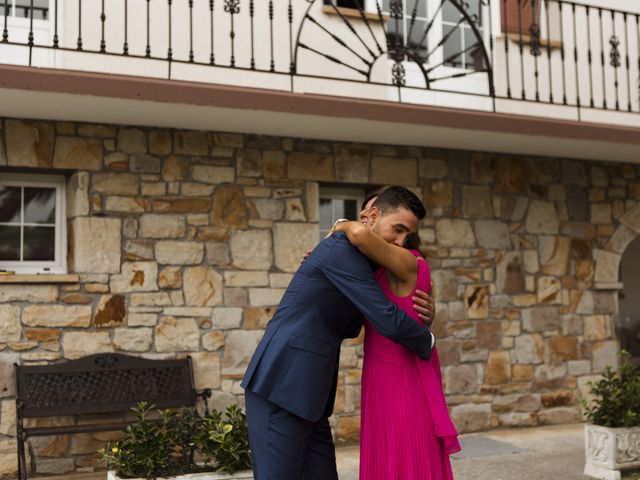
x=103 y=383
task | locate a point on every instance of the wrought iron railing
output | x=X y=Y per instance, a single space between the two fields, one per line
x=548 y=52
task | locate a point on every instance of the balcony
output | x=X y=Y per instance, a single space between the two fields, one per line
x=542 y=59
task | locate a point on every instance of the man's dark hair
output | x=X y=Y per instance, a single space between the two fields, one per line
x=396 y=197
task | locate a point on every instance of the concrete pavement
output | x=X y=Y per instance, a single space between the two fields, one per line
x=542 y=453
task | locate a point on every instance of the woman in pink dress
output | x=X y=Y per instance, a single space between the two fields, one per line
x=406 y=432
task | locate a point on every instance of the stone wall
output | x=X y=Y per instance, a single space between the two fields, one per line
x=183 y=243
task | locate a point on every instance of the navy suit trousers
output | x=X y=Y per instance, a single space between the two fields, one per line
x=287 y=447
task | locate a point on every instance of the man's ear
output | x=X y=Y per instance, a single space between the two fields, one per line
x=373 y=215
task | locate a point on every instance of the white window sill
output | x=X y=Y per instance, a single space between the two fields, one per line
x=50 y=278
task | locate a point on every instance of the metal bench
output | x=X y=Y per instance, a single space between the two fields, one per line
x=97 y=384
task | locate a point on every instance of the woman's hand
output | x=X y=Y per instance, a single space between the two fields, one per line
x=425 y=306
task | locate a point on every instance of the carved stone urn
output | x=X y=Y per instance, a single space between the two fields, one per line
x=610 y=450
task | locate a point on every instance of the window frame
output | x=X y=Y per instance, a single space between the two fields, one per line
x=59 y=264
x=339 y=193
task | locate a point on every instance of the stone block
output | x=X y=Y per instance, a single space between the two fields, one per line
x=529 y=349
x=498 y=369
x=10 y=328
x=213 y=175
x=206 y=370
x=29 y=143
x=96 y=245
x=438 y=193
x=607 y=266
x=559 y=416
x=252 y=249
x=78 y=153
x=267 y=208
x=394 y=171
x=247 y=279
x=542 y=218
x=132 y=339
x=510 y=276
x=471 y=417
x=135 y=277
x=191 y=143
x=170 y=252
x=597 y=327
x=564 y=348
x=177 y=335
x=229 y=208
x=132 y=140
x=455 y=233
x=238 y=350
x=110 y=311
x=493 y=234
x=202 y=287
x=264 y=297
x=126 y=205
x=80 y=344
x=461 y=379
x=115 y=183
x=554 y=254
x=144 y=164
x=476 y=201
x=78 y=195
x=477 y=301
x=56 y=316
x=311 y=166
x=290 y=239
x=605 y=354
x=351 y=163
x=258 y=317
x=294 y=210
x=162 y=226
x=510 y=176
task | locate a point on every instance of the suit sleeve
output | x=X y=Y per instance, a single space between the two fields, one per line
x=349 y=271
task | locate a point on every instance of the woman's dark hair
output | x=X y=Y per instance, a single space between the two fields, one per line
x=415 y=243
x=392 y=198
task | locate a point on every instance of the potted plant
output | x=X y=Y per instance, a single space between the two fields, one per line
x=181 y=445
x=612 y=438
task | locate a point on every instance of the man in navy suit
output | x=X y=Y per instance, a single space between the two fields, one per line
x=291 y=380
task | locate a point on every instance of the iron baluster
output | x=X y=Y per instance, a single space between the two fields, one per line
x=332 y=59
x=590 y=56
x=534 y=43
x=505 y=29
x=338 y=40
x=604 y=90
x=430 y=24
x=55 y=26
x=627 y=59
x=30 y=31
x=103 y=43
x=125 y=47
x=292 y=66
x=5 y=30
x=147 y=50
x=351 y=29
x=575 y=55
x=271 y=63
x=546 y=12
x=491 y=48
x=169 y=48
x=521 y=44
x=232 y=7
x=562 y=56
x=79 y=25
x=398 y=73
x=614 y=58
x=253 y=59
x=365 y=19
x=190 y=31
x=212 y=56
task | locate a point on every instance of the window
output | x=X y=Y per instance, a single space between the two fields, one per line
x=346 y=3
x=461 y=49
x=32 y=224
x=22 y=9
x=338 y=203
x=399 y=29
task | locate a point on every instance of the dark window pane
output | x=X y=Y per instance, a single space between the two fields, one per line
x=351 y=209
x=474 y=10
x=450 y=13
x=326 y=213
x=39 y=243
x=419 y=5
x=473 y=56
x=416 y=43
x=452 y=47
x=9 y=243
x=40 y=9
x=39 y=205
x=10 y=204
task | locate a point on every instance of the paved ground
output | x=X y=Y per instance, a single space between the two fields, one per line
x=543 y=453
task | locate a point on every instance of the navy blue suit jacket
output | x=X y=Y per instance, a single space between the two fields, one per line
x=295 y=365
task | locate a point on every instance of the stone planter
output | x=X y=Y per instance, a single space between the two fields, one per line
x=243 y=475
x=609 y=450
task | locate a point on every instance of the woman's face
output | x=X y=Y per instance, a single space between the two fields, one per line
x=395 y=226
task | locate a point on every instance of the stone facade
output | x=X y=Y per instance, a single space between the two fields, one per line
x=183 y=243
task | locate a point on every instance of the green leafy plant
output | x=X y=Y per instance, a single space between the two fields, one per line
x=616 y=401
x=172 y=443
x=226 y=439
